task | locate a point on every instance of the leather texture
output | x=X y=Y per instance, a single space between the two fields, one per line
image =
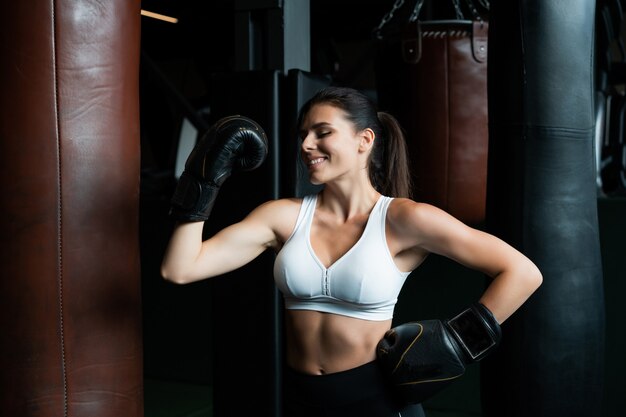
x=447 y=124
x=69 y=176
x=232 y=143
x=476 y=330
x=542 y=199
x=422 y=358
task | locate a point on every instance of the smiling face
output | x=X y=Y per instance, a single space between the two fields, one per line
x=331 y=147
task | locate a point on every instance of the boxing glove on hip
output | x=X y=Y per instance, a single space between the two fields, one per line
x=423 y=357
x=232 y=143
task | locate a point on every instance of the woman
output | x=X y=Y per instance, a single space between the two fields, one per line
x=343 y=255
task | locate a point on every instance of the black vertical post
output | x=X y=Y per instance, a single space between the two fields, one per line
x=246 y=327
x=272 y=34
x=272 y=38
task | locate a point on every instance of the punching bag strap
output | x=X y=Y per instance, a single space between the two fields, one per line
x=480 y=33
x=412 y=40
x=388 y=28
x=412 y=44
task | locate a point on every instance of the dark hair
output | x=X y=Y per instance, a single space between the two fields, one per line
x=388 y=163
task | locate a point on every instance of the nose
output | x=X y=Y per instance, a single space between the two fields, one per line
x=308 y=142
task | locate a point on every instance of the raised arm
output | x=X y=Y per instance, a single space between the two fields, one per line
x=188 y=258
x=232 y=143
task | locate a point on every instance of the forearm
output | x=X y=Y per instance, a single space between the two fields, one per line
x=510 y=289
x=182 y=252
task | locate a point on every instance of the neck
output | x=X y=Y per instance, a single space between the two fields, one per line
x=348 y=201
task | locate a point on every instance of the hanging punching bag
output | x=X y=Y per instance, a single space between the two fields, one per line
x=69 y=187
x=541 y=198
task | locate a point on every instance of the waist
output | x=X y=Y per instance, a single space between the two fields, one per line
x=326 y=343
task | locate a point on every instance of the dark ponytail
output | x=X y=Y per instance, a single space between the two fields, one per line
x=396 y=175
x=388 y=164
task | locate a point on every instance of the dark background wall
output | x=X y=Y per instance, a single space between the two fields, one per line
x=178 y=332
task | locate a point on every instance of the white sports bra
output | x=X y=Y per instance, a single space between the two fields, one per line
x=364 y=283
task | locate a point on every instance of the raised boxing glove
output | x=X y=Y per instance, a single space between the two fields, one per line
x=423 y=357
x=232 y=143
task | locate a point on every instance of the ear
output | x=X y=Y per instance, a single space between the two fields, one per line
x=367 y=137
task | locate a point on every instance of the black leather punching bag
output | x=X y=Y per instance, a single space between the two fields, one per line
x=542 y=199
x=70 y=311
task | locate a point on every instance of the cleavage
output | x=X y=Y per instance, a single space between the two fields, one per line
x=331 y=242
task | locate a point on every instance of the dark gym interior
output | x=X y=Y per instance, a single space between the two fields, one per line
x=214 y=343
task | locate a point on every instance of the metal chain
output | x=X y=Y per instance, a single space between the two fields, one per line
x=418 y=7
x=416 y=11
x=387 y=17
x=472 y=7
x=457 y=10
x=484 y=3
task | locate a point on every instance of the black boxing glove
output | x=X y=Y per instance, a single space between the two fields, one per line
x=232 y=143
x=423 y=357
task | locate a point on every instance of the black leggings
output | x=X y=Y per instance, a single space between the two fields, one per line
x=358 y=392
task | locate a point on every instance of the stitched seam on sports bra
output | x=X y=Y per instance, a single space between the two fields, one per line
x=383 y=222
x=352 y=248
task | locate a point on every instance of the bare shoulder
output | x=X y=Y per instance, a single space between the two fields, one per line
x=419 y=223
x=280 y=215
x=405 y=213
x=279 y=207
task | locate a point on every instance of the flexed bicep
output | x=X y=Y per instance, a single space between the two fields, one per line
x=190 y=259
x=234 y=247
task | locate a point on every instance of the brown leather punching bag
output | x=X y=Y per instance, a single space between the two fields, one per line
x=447 y=131
x=432 y=75
x=69 y=194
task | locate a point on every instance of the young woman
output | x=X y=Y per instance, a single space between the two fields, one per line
x=342 y=255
